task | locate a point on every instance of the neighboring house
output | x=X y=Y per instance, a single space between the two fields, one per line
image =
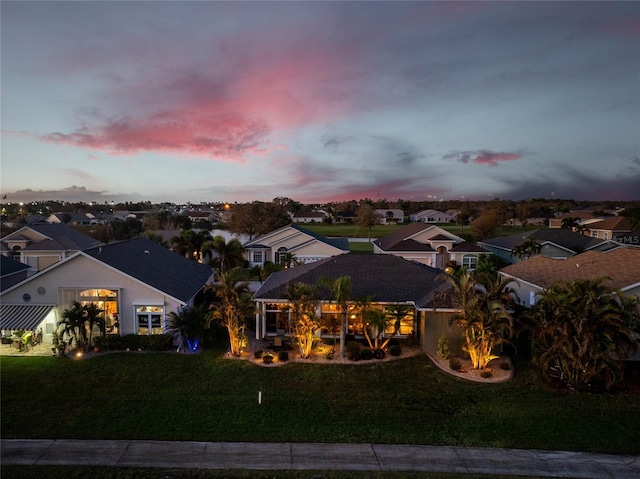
x=199 y=216
x=390 y=216
x=11 y=272
x=609 y=228
x=137 y=283
x=432 y=216
x=577 y=216
x=77 y=219
x=555 y=243
x=621 y=267
x=430 y=245
x=42 y=244
x=310 y=217
x=629 y=239
x=304 y=245
x=387 y=280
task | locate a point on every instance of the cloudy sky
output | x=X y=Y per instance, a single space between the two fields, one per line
x=319 y=101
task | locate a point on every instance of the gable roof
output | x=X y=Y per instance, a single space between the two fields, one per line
x=617 y=223
x=468 y=247
x=564 y=238
x=392 y=241
x=155 y=265
x=63 y=236
x=340 y=243
x=387 y=278
x=543 y=271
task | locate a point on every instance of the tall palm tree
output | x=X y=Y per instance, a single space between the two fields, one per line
x=340 y=293
x=305 y=321
x=582 y=332
x=189 y=243
x=229 y=253
x=94 y=317
x=233 y=307
x=73 y=324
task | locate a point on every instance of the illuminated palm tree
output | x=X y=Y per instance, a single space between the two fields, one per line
x=340 y=293
x=188 y=325
x=305 y=321
x=94 y=317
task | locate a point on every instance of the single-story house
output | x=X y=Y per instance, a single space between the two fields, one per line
x=621 y=266
x=388 y=280
x=432 y=216
x=137 y=283
x=79 y=219
x=555 y=243
x=430 y=245
x=308 y=217
x=608 y=228
x=390 y=216
x=303 y=244
x=575 y=216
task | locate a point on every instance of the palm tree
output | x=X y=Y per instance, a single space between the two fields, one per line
x=188 y=326
x=582 y=334
x=482 y=315
x=527 y=248
x=233 y=308
x=340 y=292
x=73 y=324
x=94 y=317
x=189 y=243
x=306 y=323
x=366 y=217
x=229 y=253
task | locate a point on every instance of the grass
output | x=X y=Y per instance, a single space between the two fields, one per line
x=166 y=396
x=66 y=472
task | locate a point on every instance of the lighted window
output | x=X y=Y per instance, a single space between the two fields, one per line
x=277 y=317
x=406 y=324
x=149 y=319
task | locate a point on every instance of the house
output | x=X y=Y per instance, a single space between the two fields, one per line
x=306 y=246
x=432 y=216
x=609 y=228
x=137 y=283
x=309 y=217
x=390 y=216
x=77 y=219
x=386 y=279
x=555 y=243
x=430 y=245
x=201 y=216
x=42 y=244
x=574 y=216
x=621 y=267
x=11 y=272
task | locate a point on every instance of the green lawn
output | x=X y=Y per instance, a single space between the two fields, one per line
x=165 y=396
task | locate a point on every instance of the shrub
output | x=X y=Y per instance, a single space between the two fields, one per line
x=443 y=347
x=353 y=350
x=505 y=366
x=258 y=354
x=366 y=354
x=455 y=364
x=486 y=373
x=330 y=355
x=283 y=356
x=378 y=353
x=393 y=342
x=395 y=350
x=267 y=359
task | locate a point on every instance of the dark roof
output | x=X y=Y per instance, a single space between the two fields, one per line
x=10 y=266
x=560 y=236
x=468 y=247
x=64 y=235
x=387 y=242
x=410 y=245
x=340 y=243
x=156 y=266
x=386 y=278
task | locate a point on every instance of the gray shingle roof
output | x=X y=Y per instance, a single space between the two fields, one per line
x=562 y=237
x=156 y=266
x=66 y=236
x=389 y=241
x=386 y=278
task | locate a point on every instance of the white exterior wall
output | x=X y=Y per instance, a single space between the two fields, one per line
x=82 y=272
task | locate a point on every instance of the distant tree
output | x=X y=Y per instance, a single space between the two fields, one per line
x=156 y=238
x=462 y=219
x=523 y=210
x=367 y=217
x=257 y=218
x=485 y=225
x=189 y=243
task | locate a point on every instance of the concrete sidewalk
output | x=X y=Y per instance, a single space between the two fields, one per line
x=296 y=456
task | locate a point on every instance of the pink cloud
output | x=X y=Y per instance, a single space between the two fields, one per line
x=483 y=157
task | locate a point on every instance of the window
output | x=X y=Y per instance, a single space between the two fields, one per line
x=105 y=299
x=149 y=319
x=277 y=316
x=257 y=257
x=469 y=261
x=594 y=234
x=406 y=324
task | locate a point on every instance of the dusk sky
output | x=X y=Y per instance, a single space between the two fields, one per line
x=319 y=101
